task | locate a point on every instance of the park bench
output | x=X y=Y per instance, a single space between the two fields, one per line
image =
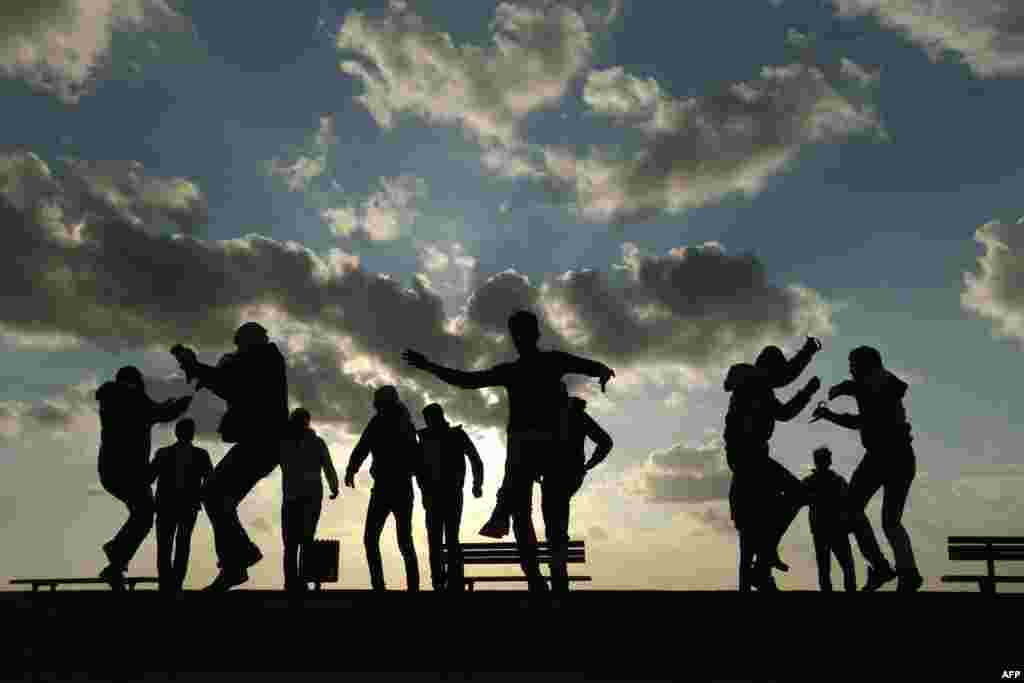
x=988 y=549
x=129 y=582
x=508 y=553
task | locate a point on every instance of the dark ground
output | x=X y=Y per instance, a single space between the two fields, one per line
x=590 y=635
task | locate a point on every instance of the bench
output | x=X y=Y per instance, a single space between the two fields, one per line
x=988 y=549
x=508 y=553
x=129 y=582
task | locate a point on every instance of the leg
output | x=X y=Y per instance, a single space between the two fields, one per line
x=520 y=495
x=166 y=523
x=498 y=524
x=432 y=503
x=555 y=508
x=746 y=553
x=823 y=556
x=895 y=493
x=844 y=555
x=290 y=537
x=775 y=478
x=403 y=505
x=453 y=520
x=865 y=481
x=232 y=480
x=376 y=515
x=183 y=545
x=310 y=510
x=138 y=498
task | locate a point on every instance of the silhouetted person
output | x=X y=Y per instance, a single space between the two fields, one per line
x=127 y=416
x=254 y=383
x=304 y=456
x=535 y=402
x=888 y=463
x=179 y=470
x=749 y=425
x=445 y=449
x=829 y=517
x=391 y=437
x=562 y=477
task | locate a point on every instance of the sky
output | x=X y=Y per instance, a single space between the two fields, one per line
x=671 y=186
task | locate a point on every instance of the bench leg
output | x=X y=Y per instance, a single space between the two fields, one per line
x=988 y=586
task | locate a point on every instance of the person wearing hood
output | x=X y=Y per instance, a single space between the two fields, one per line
x=749 y=426
x=254 y=383
x=305 y=458
x=127 y=416
x=889 y=464
x=563 y=476
x=390 y=437
x=442 y=477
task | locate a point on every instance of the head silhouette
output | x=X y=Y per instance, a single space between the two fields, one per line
x=771 y=359
x=822 y=458
x=249 y=335
x=864 y=360
x=433 y=414
x=300 y=418
x=130 y=374
x=185 y=429
x=385 y=398
x=525 y=330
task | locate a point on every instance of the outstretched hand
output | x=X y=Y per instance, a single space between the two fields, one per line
x=350 y=480
x=415 y=359
x=604 y=379
x=813 y=344
x=478 y=492
x=844 y=388
x=334 y=494
x=819 y=412
x=814 y=385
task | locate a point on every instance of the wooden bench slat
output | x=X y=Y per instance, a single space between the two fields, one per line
x=512 y=545
x=954 y=540
x=512 y=560
x=492 y=579
x=972 y=579
x=980 y=555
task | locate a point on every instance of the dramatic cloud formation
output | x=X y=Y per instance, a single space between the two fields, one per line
x=59 y=46
x=996 y=292
x=697 y=150
x=697 y=308
x=987 y=34
x=383 y=214
x=305 y=167
x=412 y=68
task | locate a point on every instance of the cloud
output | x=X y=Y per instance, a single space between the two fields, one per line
x=299 y=172
x=407 y=66
x=60 y=47
x=383 y=215
x=450 y=271
x=685 y=474
x=697 y=150
x=987 y=34
x=697 y=306
x=996 y=290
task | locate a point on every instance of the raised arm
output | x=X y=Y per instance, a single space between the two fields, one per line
x=797 y=364
x=584 y=366
x=848 y=420
x=598 y=435
x=464 y=379
x=787 y=411
x=327 y=465
x=169 y=410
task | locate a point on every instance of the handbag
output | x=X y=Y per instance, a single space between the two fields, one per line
x=318 y=563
